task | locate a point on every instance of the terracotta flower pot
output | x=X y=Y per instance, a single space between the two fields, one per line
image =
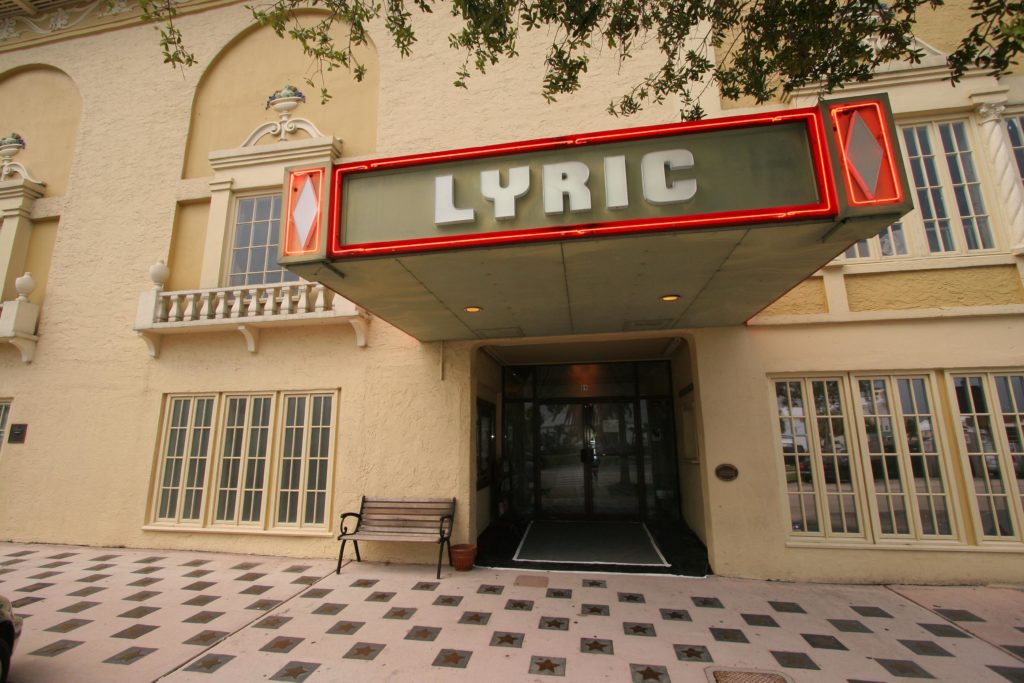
x=463 y=556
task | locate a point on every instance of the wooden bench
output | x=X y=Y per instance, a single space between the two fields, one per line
x=416 y=520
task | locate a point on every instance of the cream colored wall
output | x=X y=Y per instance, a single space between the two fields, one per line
x=187 y=244
x=748 y=518
x=40 y=253
x=42 y=105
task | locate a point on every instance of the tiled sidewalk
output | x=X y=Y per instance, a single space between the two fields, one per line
x=136 y=615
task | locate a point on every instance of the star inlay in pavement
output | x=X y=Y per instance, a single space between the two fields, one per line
x=129 y=656
x=638 y=628
x=506 y=639
x=649 y=674
x=547 y=665
x=552 y=623
x=595 y=645
x=593 y=609
x=421 y=633
x=209 y=663
x=294 y=672
x=451 y=658
x=364 y=651
x=676 y=615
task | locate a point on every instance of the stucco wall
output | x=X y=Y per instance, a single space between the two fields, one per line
x=806 y=298
x=988 y=286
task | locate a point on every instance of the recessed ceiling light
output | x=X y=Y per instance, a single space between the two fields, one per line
x=472 y=309
x=670 y=297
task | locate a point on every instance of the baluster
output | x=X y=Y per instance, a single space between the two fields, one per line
x=205 y=313
x=270 y=305
x=303 y=299
x=190 y=307
x=236 y=303
x=174 y=315
x=254 y=303
x=221 y=305
x=160 y=314
x=319 y=297
x=286 y=300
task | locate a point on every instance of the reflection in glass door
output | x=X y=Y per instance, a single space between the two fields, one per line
x=562 y=448
x=615 y=489
x=588 y=460
x=593 y=440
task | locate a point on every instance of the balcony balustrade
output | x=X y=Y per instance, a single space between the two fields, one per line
x=245 y=308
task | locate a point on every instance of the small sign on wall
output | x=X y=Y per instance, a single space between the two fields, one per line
x=727 y=472
x=17 y=433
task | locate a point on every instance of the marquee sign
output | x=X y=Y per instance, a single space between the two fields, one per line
x=760 y=169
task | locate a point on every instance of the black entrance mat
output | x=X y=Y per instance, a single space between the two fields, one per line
x=598 y=543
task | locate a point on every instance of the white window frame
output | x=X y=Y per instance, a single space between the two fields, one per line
x=181 y=483
x=247 y=460
x=904 y=457
x=215 y=462
x=1017 y=151
x=1002 y=455
x=5 y=414
x=870 y=531
x=818 y=479
x=232 y=232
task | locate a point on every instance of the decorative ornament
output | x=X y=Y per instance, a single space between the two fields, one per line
x=283 y=101
x=10 y=145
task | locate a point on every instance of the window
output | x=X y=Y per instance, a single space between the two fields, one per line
x=879 y=471
x=268 y=467
x=1015 y=128
x=5 y=411
x=874 y=472
x=991 y=408
x=949 y=209
x=947 y=190
x=254 y=243
x=890 y=242
x=901 y=450
x=186 y=451
x=815 y=448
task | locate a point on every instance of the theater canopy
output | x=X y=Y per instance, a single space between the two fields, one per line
x=663 y=227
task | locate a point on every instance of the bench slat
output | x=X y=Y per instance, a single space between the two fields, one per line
x=389 y=537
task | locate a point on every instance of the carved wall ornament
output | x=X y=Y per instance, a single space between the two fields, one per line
x=10 y=145
x=991 y=111
x=283 y=101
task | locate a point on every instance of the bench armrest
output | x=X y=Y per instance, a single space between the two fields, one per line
x=344 y=531
x=445 y=530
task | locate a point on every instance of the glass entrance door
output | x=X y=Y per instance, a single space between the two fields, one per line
x=589 y=460
x=589 y=440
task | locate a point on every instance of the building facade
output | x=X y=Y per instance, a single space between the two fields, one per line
x=166 y=384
